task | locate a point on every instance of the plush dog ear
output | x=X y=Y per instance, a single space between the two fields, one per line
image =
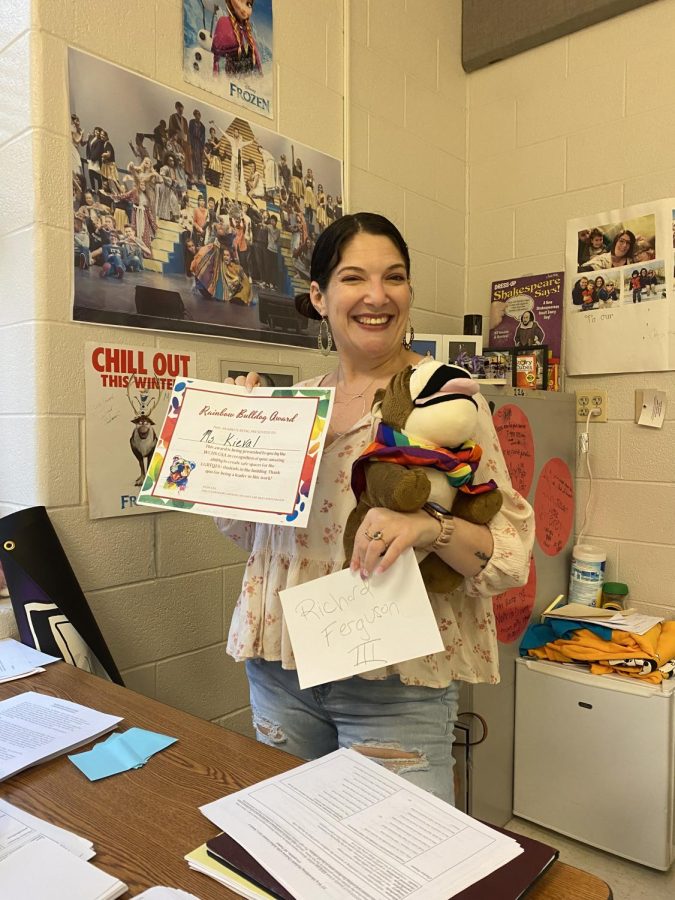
x=377 y=400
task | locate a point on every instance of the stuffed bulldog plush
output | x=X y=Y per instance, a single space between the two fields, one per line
x=424 y=409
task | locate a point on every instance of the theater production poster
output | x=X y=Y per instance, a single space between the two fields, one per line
x=527 y=312
x=188 y=218
x=127 y=395
x=619 y=289
x=227 y=50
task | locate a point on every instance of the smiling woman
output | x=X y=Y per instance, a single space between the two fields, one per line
x=401 y=715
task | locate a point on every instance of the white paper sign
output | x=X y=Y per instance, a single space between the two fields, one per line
x=225 y=451
x=652 y=410
x=341 y=625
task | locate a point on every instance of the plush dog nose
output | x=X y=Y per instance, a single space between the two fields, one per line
x=465 y=386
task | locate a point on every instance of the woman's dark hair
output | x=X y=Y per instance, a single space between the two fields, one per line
x=330 y=245
x=631 y=249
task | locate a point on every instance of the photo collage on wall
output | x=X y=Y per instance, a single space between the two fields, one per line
x=619 y=279
x=188 y=218
x=617 y=265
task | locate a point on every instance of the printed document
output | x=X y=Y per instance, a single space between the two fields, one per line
x=36 y=727
x=342 y=826
x=17 y=660
x=18 y=827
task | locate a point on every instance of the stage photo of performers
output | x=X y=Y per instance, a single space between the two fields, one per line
x=188 y=218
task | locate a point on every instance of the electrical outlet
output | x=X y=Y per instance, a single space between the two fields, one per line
x=594 y=399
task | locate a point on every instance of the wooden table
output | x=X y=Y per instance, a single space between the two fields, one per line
x=143 y=822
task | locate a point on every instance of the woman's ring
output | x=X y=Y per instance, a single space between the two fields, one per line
x=376 y=536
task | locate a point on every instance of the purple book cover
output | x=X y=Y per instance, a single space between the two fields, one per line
x=527 y=311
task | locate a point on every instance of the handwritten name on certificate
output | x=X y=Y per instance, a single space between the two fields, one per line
x=223 y=451
x=340 y=625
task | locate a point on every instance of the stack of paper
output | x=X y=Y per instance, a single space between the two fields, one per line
x=201 y=861
x=19 y=661
x=35 y=727
x=342 y=826
x=43 y=870
x=18 y=828
x=628 y=620
x=165 y=893
x=635 y=623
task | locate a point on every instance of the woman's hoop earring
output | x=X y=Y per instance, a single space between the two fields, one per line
x=407 y=341
x=324 y=339
x=412 y=294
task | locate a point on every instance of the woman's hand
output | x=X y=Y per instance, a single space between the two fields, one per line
x=384 y=535
x=249 y=381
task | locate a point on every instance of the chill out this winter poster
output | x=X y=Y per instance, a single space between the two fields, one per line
x=128 y=391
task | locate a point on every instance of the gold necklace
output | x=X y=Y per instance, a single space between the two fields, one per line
x=346 y=402
x=354 y=396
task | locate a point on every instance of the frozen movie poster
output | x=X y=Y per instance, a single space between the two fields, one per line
x=188 y=218
x=227 y=50
x=618 y=291
x=127 y=395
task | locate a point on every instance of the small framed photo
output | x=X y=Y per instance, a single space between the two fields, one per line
x=493 y=365
x=461 y=348
x=530 y=367
x=274 y=375
x=428 y=345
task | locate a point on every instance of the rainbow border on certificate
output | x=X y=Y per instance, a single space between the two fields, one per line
x=308 y=466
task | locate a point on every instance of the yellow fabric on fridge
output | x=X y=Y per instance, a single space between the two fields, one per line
x=656 y=645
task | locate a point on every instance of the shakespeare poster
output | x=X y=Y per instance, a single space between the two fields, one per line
x=127 y=395
x=188 y=218
x=227 y=50
x=528 y=312
x=619 y=289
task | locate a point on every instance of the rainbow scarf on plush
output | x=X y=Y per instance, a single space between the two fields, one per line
x=403 y=449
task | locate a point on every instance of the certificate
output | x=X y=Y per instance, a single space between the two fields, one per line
x=225 y=451
x=341 y=625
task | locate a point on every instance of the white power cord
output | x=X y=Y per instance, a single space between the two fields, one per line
x=584 y=443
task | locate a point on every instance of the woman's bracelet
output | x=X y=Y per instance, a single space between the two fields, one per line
x=447 y=523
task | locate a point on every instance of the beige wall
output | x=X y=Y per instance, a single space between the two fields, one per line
x=583 y=124
x=579 y=125
x=162 y=587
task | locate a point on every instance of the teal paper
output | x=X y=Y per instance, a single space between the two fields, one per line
x=122 y=751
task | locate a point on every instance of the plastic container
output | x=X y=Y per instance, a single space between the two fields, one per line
x=473 y=324
x=614 y=595
x=587 y=574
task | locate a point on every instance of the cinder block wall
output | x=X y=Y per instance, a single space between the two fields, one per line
x=162 y=586
x=577 y=126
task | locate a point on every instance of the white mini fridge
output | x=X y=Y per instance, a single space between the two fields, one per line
x=595 y=759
